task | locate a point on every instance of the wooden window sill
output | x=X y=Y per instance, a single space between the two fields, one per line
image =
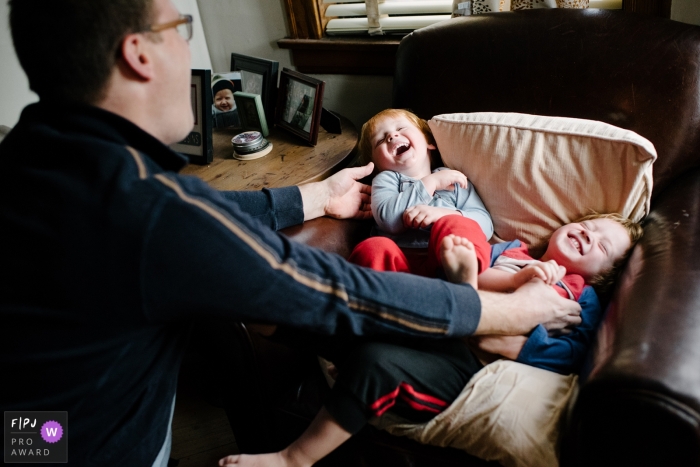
x=344 y=55
x=312 y=52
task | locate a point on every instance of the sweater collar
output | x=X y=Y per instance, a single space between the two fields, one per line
x=105 y=125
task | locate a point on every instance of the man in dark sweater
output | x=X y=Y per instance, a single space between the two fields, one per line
x=109 y=253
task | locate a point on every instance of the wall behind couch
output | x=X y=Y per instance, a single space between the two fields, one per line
x=686 y=11
x=14 y=87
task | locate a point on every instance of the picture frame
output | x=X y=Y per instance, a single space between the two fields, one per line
x=251 y=112
x=259 y=76
x=299 y=104
x=197 y=146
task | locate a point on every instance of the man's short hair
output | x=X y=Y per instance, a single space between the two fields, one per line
x=68 y=48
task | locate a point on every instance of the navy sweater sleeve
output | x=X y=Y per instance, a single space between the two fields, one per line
x=564 y=354
x=277 y=208
x=203 y=255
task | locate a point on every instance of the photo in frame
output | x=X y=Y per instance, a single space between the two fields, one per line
x=251 y=112
x=258 y=76
x=197 y=146
x=224 y=112
x=299 y=104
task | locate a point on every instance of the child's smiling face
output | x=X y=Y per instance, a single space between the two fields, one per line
x=588 y=248
x=223 y=100
x=398 y=145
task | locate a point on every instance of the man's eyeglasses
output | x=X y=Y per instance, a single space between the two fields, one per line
x=183 y=26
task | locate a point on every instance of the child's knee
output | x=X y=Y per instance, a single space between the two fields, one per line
x=375 y=243
x=458 y=225
x=379 y=253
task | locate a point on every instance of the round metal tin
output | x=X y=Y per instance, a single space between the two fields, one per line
x=246 y=140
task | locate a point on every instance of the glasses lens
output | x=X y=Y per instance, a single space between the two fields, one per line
x=185 y=30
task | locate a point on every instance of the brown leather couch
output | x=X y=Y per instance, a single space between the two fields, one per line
x=640 y=404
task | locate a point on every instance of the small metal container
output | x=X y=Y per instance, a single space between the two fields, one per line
x=250 y=145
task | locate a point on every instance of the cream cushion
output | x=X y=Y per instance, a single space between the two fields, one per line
x=536 y=173
x=508 y=412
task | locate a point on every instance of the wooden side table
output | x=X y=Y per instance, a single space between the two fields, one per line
x=290 y=162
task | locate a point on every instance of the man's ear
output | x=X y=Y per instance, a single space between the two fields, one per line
x=135 y=50
x=432 y=146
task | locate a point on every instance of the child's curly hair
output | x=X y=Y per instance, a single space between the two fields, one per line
x=368 y=129
x=604 y=281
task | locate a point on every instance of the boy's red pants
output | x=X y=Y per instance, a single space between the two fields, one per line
x=383 y=254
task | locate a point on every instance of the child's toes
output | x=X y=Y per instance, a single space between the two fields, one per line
x=462 y=241
x=448 y=242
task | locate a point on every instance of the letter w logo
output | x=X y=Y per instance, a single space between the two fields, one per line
x=51 y=432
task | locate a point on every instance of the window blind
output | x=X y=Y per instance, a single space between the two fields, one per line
x=347 y=17
x=392 y=16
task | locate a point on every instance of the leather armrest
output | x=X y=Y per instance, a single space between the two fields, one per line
x=641 y=403
x=331 y=235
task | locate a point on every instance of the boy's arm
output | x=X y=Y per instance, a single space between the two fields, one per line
x=472 y=207
x=500 y=346
x=564 y=354
x=496 y=280
x=389 y=202
x=422 y=216
x=499 y=280
x=444 y=179
x=469 y=205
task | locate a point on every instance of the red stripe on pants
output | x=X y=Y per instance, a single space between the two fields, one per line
x=409 y=395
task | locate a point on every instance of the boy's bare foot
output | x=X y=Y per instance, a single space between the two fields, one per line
x=320 y=438
x=459 y=260
x=273 y=459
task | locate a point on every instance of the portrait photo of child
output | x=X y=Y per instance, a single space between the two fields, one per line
x=224 y=111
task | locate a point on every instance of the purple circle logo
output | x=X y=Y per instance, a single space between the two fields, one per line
x=51 y=431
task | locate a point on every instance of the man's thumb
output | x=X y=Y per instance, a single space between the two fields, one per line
x=362 y=172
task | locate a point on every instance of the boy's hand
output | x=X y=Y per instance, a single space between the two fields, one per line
x=422 y=216
x=444 y=180
x=550 y=272
x=507 y=346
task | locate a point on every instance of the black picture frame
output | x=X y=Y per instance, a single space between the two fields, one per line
x=268 y=70
x=299 y=104
x=198 y=147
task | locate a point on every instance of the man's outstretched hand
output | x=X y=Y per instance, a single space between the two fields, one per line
x=519 y=312
x=340 y=196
